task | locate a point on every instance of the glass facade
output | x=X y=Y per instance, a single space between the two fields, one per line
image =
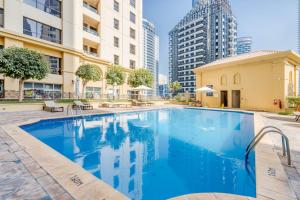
x=42 y=91
x=54 y=64
x=1 y=17
x=93 y=92
x=244 y=45
x=52 y=7
x=1 y=88
x=41 y=31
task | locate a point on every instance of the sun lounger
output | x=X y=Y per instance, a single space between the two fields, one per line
x=141 y=103
x=52 y=107
x=83 y=106
x=115 y=105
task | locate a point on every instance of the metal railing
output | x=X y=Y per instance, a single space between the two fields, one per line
x=262 y=133
x=89 y=30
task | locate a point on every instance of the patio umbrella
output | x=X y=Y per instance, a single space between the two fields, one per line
x=205 y=89
x=142 y=89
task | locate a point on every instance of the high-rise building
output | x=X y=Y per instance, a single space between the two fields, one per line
x=163 y=86
x=244 y=45
x=207 y=33
x=151 y=52
x=70 y=33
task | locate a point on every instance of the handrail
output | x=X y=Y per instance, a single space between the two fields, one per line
x=264 y=128
x=261 y=134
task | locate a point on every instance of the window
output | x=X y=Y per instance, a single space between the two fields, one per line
x=132 y=49
x=132 y=3
x=236 y=79
x=52 y=7
x=116 y=60
x=210 y=94
x=1 y=17
x=132 y=64
x=223 y=80
x=93 y=92
x=132 y=17
x=132 y=33
x=116 y=6
x=54 y=64
x=2 y=88
x=42 y=31
x=42 y=91
x=116 y=42
x=116 y=24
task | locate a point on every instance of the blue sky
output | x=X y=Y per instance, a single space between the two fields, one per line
x=271 y=23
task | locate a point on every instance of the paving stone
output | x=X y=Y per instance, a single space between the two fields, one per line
x=64 y=196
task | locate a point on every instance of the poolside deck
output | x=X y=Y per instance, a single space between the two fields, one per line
x=22 y=177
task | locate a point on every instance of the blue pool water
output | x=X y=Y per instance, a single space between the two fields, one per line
x=159 y=154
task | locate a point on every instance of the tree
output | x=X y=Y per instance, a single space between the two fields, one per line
x=115 y=76
x=88 y=72
x=175 y=87
x=23 y=64
x=140 y=77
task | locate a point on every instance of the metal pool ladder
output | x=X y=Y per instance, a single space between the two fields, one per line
x=262 y=133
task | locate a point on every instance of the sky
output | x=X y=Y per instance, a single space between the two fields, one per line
x=272 y=24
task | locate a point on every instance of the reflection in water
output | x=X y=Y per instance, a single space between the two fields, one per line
x=158 y=154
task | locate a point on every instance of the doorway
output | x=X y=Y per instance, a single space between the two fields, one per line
x=224 y=98
x=1 y=88
x=236 y=99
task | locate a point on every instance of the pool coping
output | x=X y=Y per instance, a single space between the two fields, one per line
x=80 y=184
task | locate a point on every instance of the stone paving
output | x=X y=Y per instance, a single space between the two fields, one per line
x=292 y=129
x=22 y=177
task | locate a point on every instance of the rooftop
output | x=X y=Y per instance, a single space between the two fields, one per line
x=253 y=57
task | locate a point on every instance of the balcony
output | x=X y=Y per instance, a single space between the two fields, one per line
x=89 y=30
x=91 y=48
x=89 y=7
x=90 y=53
x=91 y=11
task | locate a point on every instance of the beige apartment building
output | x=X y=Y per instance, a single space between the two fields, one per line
x=70 y=33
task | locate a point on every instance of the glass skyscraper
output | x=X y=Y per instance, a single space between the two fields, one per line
x=244 y=45
x=151 y=52
x=208 y=32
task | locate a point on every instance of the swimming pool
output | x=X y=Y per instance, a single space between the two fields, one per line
x=158 y=154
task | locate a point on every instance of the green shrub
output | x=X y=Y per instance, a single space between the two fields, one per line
x=285 y=113
x=293 y=101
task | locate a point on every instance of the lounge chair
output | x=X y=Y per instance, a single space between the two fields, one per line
x=108 y=105
x=52 y=107
x=140 y=103
x=83 y=106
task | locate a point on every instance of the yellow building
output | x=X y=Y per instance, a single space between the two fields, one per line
x=257 y=81
x=70 y=33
